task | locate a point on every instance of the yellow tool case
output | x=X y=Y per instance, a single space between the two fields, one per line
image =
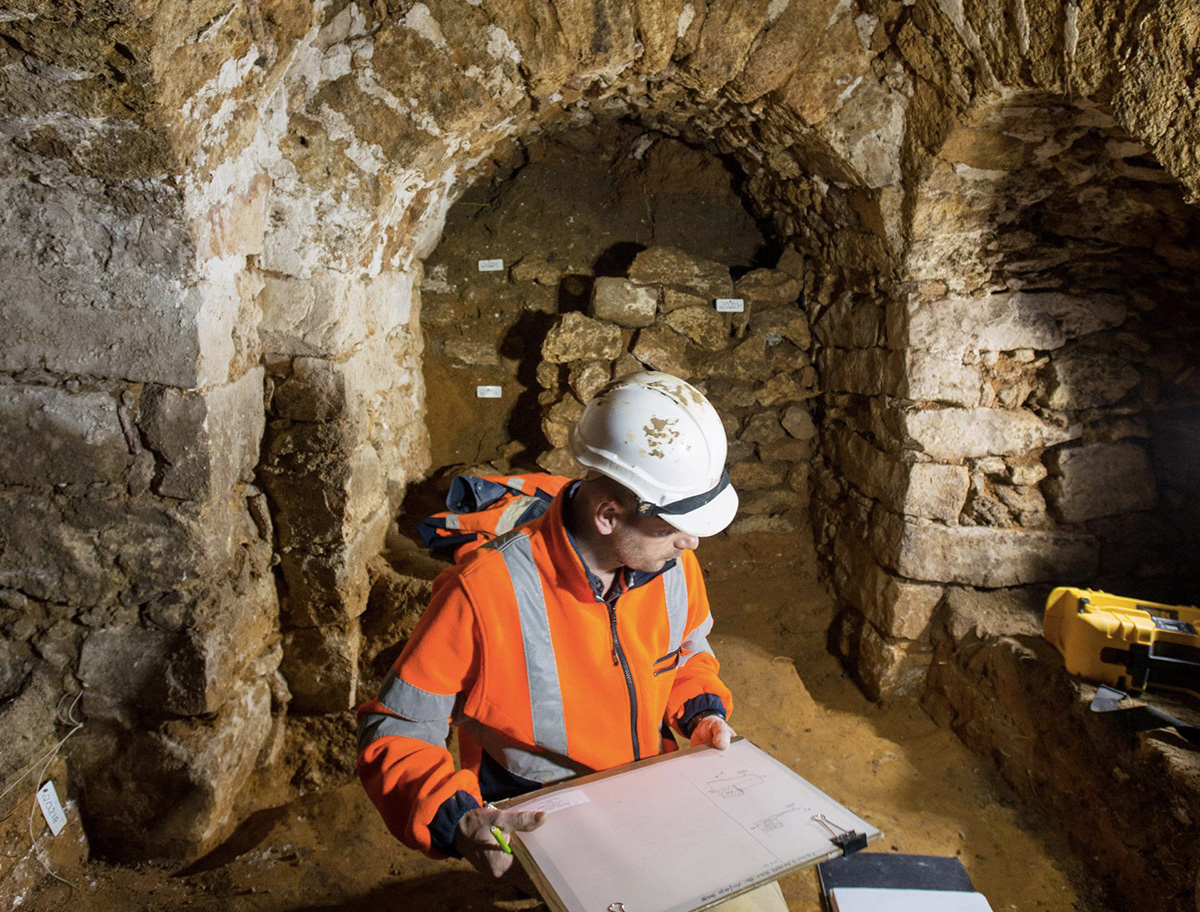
x=1124 y=642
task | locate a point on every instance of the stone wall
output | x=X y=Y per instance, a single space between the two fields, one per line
x=1003 y=437
x=753 y=365
x=214 y=223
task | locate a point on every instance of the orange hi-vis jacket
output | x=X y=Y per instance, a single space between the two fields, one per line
x=544 y=678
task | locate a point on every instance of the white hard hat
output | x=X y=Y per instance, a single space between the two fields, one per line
x=658 y=436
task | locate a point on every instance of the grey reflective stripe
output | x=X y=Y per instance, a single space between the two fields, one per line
x=513 y=512
x=519 y=760
x=541 y=670
x=452 y=521
x=418 y=714
x=381 y=725
x=517 y=483
x=675 y=585
x=411 y=702
x=697 y=642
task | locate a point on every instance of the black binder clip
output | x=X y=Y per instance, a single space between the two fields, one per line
x=848 y=841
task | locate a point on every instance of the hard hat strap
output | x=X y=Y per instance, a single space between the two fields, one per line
x=688 y=504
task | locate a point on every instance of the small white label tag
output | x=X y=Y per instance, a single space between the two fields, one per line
x=489 y=392
x=52 y=810
x=491 y=265
x=731 y=305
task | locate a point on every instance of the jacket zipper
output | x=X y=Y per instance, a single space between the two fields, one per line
x=619 y=659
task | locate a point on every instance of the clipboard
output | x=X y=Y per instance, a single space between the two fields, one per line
x=680 y=832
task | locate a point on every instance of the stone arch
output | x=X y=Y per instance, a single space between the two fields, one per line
x=281 y=187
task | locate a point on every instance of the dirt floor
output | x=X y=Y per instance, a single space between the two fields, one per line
x=889 y=763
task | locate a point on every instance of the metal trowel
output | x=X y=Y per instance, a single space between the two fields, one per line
x=1144 y=717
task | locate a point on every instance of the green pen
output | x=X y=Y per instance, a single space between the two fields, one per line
x=499 y=837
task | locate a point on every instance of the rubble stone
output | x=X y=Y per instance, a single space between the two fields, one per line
x=619 y=301
x=675 y=268
x=663 y=349
x=701 y=325
x=576 y=337
x=1083 y=380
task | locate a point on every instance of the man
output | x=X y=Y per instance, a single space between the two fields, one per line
x=569 y=645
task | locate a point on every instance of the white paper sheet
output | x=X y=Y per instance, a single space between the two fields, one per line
x=679 y=834
x=872 y=899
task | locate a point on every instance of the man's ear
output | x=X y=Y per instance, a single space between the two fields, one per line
x=607 y=516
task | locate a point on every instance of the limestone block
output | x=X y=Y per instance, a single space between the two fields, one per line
x=762 y=428
x=862 y=371
x=748 y=361
x=559 y=461
x=980 y=555
x=104 y=284
x=775 y=323
x=313 y=316
x=663 y=349
x=673 y=299
x=703 y=326
x=753 y=503
x=560 y=418
x=226 y=636
x=797 y=421
x=586 y=378
x=817 y=78
x=867 y=131
x=929 y=490
x=729 y=29
x=787 y=449
x=123 y=669
x=576 y=337
x=92 y=552
x=851 y=321
x=934 y=376
x=957 y=433
x=767 y=288
x=670 y=266
x=1083 y=380
x=542 y=270
x=330 y=584
x=783 y=389
x=619 y=301
x=894 y=605
x=1102 y=479
x=1002 y=322
x=657 y=25
x=77 y=437
x=891 y=668
x=321 y=493
x=321 y=667
x=187 y=775
x=207 y=439
x=756 y=476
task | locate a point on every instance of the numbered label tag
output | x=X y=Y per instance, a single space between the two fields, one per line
x=52 y=808
x=730 y=305
x=491 y=265
x=489 y=392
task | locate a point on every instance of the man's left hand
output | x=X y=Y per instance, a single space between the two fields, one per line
x=712 y=730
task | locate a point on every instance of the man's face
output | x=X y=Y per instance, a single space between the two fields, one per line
x=647 y=542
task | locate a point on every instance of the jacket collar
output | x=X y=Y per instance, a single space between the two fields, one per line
x=571 y=569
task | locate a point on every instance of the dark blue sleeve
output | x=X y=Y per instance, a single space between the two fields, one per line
x=445 y=822
x=701 y=705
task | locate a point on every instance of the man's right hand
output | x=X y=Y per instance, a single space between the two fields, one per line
x=475 y=841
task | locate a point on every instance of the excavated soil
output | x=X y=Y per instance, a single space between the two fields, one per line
x=889 y=763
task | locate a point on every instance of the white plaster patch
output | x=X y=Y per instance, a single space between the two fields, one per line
x=500 y=46
x=367 y=156
x=421 y=21
x=685 y=20
x=231 y=75
x=966 y=172
x=775 y=9
x=865 y=24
